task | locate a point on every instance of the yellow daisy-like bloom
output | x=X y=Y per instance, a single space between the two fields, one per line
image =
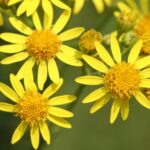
x=142 y=20
x=30 y=6
x=35 y=108
x=87 y=40
x=42 y=46
x=99 y=5
x=120 y=80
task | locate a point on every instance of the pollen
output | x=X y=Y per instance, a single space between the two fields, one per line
x=32 y=108
x=88 y=38
x=122 y=80
x=43 y=45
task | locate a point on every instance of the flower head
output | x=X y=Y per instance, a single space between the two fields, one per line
x=99 y=5
x=141 y=25
x=34 y=108
x=41 y=46
x=30 y=6
x=120 y=80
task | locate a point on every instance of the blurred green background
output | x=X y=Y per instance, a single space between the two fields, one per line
x=89 y=132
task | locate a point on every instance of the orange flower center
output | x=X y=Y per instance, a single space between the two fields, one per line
x=43 y=45
x=32 y=108
x=122 y=80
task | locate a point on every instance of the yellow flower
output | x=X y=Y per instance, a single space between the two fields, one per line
x=119 y=80
x=34 y=108
x=142 y=19
x=41 y=46
x=88 y=38
x=99 y=5
x=30 y=6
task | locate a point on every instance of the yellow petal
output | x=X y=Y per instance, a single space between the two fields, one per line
x=70 y=51
x=142 y=62
x=11 y=2
x=48 y=19
x=69 y=60
x=99 y=104
x=59 y=112
x=20 y=26
x=29 y=63
x=15 y=58
x=45 y=132
x=141 y=98
x=145 y=73
x=23 y=7
x=61 y=22
x=123 y=7
x=115 y=110
x=95 y=95
x=42 y=74
x=28 y=80
x=53 y=71
x=71 y=34
x=125 y=109
x=145 y=83
x=12 y=48
x=8 y=92
x=59 y=121
x=61 y=100
x=36 y=21
x=7 y=107
x=35 y=136
x=17 y=85
x=47 y=7
x=60 y=4
x=13 y=38
x=108 y=2
x=78 y=6
x=19 y=132
x=135 y=51
x=104 y=55
x=99 y=5
x=115 y=49
x=90 y=80
x=94 y=63
x=33 y=5
x=51 y=89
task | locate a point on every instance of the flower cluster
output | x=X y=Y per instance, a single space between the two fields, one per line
x=118 y=62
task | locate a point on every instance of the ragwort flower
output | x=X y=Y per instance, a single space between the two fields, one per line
x=142 y=20
x=120 y=80
x=99 y=5
x=34 y=108
x=30 y=6
x=41 y=46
